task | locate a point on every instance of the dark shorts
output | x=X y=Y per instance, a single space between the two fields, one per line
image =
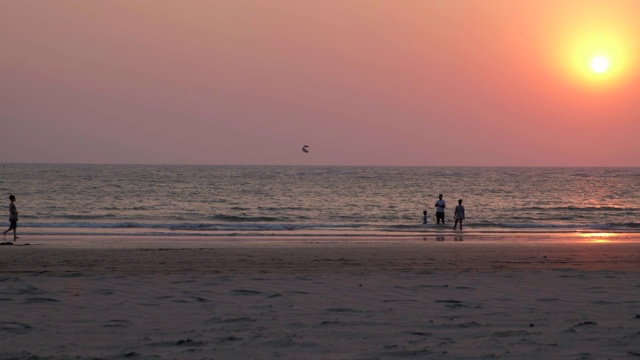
x=13 y=224
x=440 y=215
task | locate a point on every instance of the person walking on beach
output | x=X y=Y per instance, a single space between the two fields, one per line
x=458 y=214
x=440 y=204
x=13 y=218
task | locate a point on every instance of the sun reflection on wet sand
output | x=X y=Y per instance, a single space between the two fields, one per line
x=601 y=237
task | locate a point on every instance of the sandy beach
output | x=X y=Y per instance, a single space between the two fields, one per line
x=543 y=296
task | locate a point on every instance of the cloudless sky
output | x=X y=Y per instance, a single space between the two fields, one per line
x=362 y=82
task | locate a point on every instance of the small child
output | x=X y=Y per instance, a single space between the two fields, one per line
x=424 y=219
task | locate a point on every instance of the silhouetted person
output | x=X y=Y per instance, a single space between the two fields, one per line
x=13 y=218
x=458 y=215
x=424 y=218
x=440 y=204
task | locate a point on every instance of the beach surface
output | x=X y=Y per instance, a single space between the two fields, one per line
x=453 y=296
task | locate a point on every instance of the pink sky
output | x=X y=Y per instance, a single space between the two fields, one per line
x=438 y=82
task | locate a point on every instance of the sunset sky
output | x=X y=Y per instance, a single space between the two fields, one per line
x=362 y=82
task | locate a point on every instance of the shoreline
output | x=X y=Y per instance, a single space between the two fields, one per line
x=59 y=255
x=400 y=234
x=467 y=235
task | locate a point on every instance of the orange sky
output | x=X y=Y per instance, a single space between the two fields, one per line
x=492 y=82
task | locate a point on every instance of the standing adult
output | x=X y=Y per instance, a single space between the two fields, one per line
x=13 y=218
x=458 y=215
x=440 y=205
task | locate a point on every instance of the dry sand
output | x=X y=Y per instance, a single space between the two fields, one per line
x=501 y=296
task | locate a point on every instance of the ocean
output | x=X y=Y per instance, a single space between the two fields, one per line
x=211 y=201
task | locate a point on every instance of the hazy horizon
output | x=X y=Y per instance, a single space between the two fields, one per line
x=320 y=165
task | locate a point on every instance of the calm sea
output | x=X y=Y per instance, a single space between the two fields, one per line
x=307 y=200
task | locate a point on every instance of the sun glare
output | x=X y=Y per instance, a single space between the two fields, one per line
x=599 y=237
x=597 y=54
x=599 y=64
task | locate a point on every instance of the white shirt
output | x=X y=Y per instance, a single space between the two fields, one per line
x=440 y=206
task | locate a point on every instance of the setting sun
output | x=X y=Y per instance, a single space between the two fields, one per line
x=596 y=50
x=593 y=55
x=599 y=64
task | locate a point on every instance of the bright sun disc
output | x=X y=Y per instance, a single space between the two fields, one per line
x=599 y=64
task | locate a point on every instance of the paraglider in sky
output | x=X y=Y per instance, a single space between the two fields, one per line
x=305 y=148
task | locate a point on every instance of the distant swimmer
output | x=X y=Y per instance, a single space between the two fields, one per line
x=305 y=148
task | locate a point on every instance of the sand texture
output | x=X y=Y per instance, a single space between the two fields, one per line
x=328 y=299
